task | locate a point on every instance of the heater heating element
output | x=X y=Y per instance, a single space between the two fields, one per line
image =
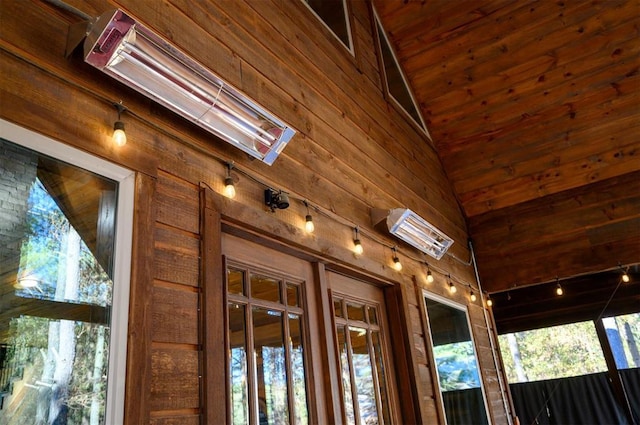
x=128 y=51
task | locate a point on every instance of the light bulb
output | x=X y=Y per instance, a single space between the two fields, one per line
x=119 y=136
x=357 y=246
x=625 y=277
x=308 y=225
x=429 y=277
x=397 y=264
x=229 y=188
x=489 y=301
x=559 y=290
x=473 y=297
x=452 y=288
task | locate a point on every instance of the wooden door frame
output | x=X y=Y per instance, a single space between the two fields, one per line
x=214 y=321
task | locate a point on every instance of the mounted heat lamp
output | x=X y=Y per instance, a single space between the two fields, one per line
x=126 y=50
x=413 y=229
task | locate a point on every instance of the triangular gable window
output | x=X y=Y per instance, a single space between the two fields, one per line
x=397 y=85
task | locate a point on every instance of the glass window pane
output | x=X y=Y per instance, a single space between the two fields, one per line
x=271 y=370
x=456 y=364
x=293 y=295
x=382 y=379
x=235 y=282
x=265 y=288
x=363 y=373
x=238 y=364
x=297 y=370
x=373 y=315
x=397 y=85
x=623 y=333
x=346 y=376
x=57 y=235
x=337 y=308
x=355 y=312
x=550 y=353
x=333 y=14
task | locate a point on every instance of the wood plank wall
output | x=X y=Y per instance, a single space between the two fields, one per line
x=353 y=152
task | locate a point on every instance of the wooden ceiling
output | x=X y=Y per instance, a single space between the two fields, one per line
x=534 y=110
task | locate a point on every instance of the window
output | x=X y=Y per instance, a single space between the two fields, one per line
x=268 y=377
x=364 y=384
x=334 y=15
x=65 y=240
x=396 y=83
x=554 y=352
x=456 y=363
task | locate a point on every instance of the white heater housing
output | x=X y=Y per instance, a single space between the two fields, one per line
x=128 y=51
x=414 y=230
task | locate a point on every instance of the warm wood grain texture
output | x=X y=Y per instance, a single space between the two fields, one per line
x=353 y=152
x=174 y=379
x=213 y=314
x=569 y=233
x=137 y=385
x=534 y=111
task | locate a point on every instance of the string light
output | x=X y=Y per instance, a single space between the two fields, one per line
x=625 y=275
x=397 y=265
x=429 y=274
x=308 y=220
x=229 y=188
x=119 y=136
x=452 y=287
x=357 y=245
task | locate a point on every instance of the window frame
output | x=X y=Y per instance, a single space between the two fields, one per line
x=377 y=28
x=434 y=369
x=350 y=48
x=115 y=397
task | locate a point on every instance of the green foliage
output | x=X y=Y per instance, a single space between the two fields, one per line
x=555 y=352
x=457 y=368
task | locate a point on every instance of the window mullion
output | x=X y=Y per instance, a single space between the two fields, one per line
x=374 y=374
x=251 y=366
x=352 y=375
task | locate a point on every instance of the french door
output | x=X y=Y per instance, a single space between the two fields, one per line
x=366 y=379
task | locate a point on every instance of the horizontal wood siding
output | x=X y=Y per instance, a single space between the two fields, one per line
x=353 y=152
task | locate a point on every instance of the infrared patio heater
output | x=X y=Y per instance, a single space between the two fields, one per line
x=123 y=48
x=413 y=229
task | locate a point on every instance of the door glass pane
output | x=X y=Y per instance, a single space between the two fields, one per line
x=235 y=282
x=456 y=364
x=337 y=308
x=346 y=376
x=293 y=295
x=382 y=380
x=265 y=288
x=355 y=312
x=238 y=364
x=57 y=233
x=363 y=374
x=297 y=370
x=373 y=316
x=271 y=370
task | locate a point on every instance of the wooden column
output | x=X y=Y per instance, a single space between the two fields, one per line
x=214 y=367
